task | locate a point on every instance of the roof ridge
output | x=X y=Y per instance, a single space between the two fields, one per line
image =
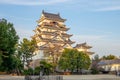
x=50 y=13
x=53 y=16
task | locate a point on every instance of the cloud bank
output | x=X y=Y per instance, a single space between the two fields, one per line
x=114 y=8
x=95 y=5
x=98 y=5
x=31 y=2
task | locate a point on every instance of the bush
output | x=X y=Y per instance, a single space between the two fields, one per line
x=37 y=71
x=28 y=71
x=95 y=71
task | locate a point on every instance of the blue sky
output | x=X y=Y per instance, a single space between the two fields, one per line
x=96 y=22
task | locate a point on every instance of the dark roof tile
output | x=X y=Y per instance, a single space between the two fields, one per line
x=83 y=45
x=53 y=16
x=106 y=62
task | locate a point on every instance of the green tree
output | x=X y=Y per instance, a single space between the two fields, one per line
x=96 y=57
x=82 y=61
x=8 y=40
x=18 y=66
x=26 y=49
x=72 y=59
x=46 y=67
x=109 y=57
x=64 y=62
x=0 y=58
x=94 y=66
x=37 y=70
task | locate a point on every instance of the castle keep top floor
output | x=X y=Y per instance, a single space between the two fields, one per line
x=50 y=17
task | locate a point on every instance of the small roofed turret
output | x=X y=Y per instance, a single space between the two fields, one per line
x=84 y=47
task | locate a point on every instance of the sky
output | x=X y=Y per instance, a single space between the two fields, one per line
x=96 y=22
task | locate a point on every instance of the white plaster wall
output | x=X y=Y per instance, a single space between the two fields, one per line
x=38 y=55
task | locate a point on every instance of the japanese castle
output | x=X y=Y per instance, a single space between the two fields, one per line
x=51 y=37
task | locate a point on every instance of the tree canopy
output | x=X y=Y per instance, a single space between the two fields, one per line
x=25 y=50
x=46 y=67
x=8 y=40
x=72 y=59
x=109 y=57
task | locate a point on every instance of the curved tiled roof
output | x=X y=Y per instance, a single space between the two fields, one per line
x=53 y=16
x=83 y=45
x=106 y=62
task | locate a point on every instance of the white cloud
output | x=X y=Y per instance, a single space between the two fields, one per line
x=106 y=5
x=88 y=38
x=31 y=2
x=98 y=5
x=95 y=5
x=93 y=40
x=114 y=8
